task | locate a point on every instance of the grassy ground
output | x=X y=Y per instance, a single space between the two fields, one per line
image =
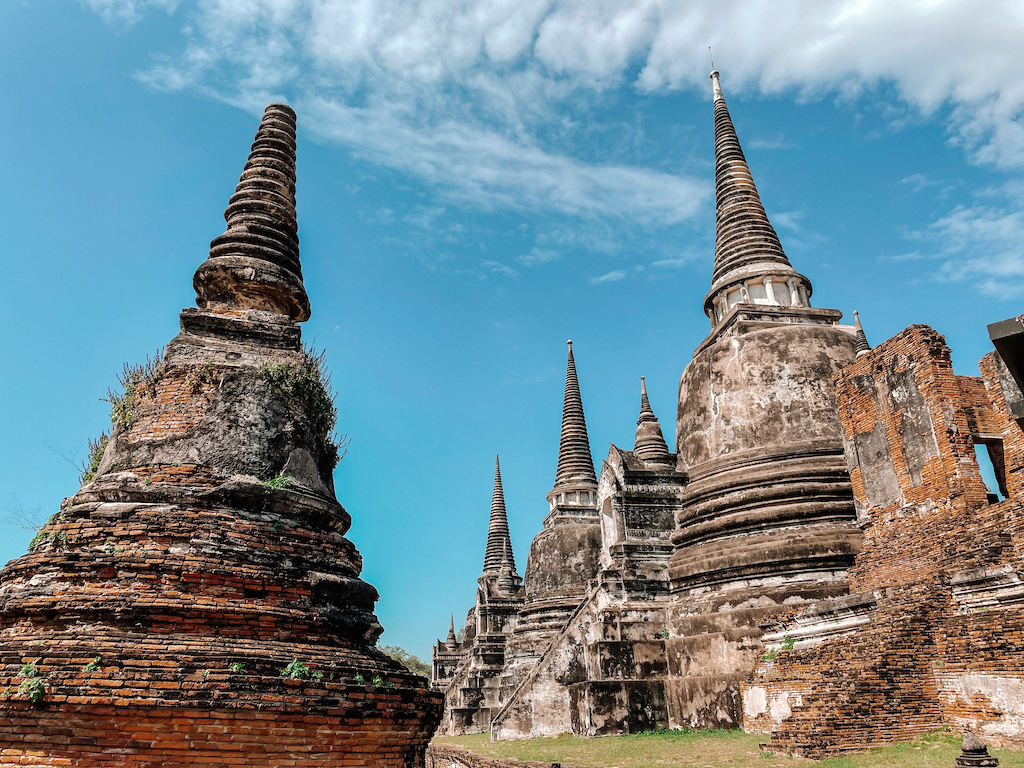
x=716 y=749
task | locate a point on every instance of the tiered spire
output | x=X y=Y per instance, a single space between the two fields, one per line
x=575 y=465
x=862 y=340
x=650 y=446
x=499 y=543
x=451 y=643
x=746 y=245
x=255 y=263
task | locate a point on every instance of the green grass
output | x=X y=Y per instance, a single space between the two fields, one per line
x=713 y=749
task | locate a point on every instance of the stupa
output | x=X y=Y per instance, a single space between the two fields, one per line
x=196 y=601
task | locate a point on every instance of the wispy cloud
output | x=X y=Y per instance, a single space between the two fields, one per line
x=127 y=12
x=609 y=277
x=981 y=244
x=538 y=256
x=459 y=93
x=498 y=268
x=779 y=142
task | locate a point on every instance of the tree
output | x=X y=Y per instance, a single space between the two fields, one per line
x=413 y=663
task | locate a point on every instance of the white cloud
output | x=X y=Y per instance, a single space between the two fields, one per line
x=498 y=268
x=609 y=277
x=127 y=12
x=982 y=243
x=778 y=142
x=458 y=93
x=538 y=256
x=476 y=164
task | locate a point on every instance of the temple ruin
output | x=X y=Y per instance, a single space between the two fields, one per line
x=819 y=560
x=197 y=600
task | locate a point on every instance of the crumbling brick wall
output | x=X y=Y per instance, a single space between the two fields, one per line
x=943 y=645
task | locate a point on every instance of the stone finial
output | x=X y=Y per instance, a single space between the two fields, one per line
x=746 y=245
x=649 y=445
x=974 y=753
x=575 y=464
x=862 y=340
x=255 y=263
x=499 y=543
x=716 y=86
x=451 y=643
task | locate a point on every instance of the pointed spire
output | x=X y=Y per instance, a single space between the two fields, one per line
x=499 y=544
x=650 y=446
x=451 y=643
x=862 y=340
x=255 y=263
x=746 y=245
x=575 y=465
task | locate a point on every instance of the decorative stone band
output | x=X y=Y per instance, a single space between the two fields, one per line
x=647 y=533
x=823 y=621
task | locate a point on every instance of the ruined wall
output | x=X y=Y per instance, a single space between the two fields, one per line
x=936 y=637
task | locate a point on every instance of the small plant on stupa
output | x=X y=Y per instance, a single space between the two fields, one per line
x=360 y=680
x=279 y=481
x=32 y=687
x=310 y=382
x=237 y=667
x=92 y=463
x=136 y=380
x=295 y=670
x=94 y=665
x=197 y=377
x=378 y=681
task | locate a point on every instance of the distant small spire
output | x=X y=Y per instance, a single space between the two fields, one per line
x=255 y=263
x=649 y=445
x=575 y=463
x=451 y=643
x=862 y=340
x=508 y=579
x=646 y=414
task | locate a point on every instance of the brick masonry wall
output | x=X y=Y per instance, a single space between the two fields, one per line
x=929 y=656
x=388 y=733
x=156 y=612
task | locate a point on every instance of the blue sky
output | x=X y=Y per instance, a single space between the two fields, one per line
x=479 y=181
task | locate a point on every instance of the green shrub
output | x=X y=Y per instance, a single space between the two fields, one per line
x=92 y=463
x=135 y=380
x=310 y=382
x=295 y=670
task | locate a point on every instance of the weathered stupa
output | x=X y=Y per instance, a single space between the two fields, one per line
x=470 y=673
x=563 y=556
x=767 y=521
x=197 y=601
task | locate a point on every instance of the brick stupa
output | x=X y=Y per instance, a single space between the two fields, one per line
x=197 y=601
